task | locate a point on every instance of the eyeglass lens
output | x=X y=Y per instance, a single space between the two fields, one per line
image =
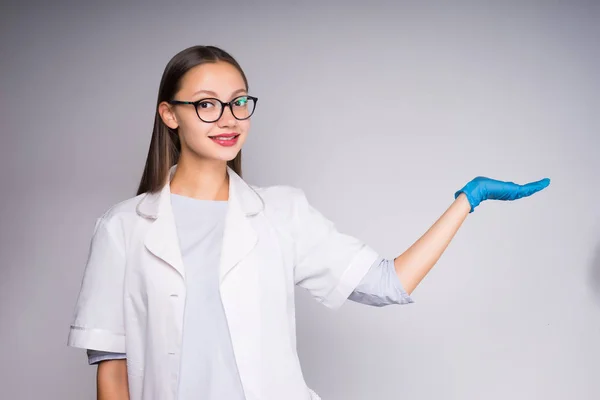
x=211 y=109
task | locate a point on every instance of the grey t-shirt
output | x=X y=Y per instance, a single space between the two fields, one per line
x=208 y=367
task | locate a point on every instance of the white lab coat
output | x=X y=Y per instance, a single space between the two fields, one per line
x=133 y=292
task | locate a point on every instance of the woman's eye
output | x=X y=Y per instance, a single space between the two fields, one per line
x=205 y=104
x=241 y=102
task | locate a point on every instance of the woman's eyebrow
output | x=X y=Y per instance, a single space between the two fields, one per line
x=211 y=93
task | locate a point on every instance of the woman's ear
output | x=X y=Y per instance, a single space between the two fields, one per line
x=167 y=115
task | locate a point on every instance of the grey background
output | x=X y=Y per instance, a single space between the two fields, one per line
x=379 y=112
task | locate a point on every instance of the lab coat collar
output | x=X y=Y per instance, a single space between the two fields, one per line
x=239 y=236
x=153 y=204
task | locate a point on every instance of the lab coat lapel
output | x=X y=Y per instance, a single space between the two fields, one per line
x=161 y=240
x=239 y=236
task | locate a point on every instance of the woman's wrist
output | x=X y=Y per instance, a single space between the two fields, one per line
x=463 y=202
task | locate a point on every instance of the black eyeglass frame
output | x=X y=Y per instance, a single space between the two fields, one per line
x=223 y=105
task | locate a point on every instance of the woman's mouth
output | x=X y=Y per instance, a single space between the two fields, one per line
x=226 y=139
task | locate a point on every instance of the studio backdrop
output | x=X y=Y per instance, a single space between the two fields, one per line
x=379 y=112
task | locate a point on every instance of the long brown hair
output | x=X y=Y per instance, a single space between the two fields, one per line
x=165 y=146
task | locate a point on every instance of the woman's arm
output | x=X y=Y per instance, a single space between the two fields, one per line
x=112 y=380
x=412 y=265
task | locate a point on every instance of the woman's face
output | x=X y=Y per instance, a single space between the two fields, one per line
x=219 y=140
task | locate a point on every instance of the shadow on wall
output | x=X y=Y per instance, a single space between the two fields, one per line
x=595 y=273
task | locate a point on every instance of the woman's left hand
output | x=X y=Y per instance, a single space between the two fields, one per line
x=482 y=188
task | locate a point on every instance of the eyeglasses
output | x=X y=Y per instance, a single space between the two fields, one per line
x=210 y=110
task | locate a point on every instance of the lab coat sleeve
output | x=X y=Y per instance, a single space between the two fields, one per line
x=98 y=318
x=328 y=263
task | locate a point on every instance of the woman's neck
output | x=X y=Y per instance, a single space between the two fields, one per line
x=201 y=180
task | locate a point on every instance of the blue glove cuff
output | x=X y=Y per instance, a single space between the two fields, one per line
x=472 y=201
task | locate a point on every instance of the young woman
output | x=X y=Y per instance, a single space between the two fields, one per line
x=188 y=291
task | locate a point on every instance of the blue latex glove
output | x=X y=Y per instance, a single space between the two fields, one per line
x=482 y=188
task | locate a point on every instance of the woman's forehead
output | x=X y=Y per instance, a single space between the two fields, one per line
x=221 y=78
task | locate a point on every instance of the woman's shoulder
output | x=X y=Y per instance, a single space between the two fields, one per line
x=122 y=211
x=278 y=192
x=286 y=201
x=280 y=195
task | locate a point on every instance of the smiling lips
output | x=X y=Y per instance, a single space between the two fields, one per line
x=226 y=139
